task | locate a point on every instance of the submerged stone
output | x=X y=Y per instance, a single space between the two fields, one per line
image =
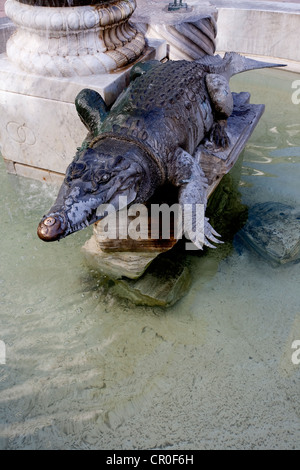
x=163 y=284
x=143 y=278
x=273 y=231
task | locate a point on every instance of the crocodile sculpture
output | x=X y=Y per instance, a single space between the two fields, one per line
x=146 y=139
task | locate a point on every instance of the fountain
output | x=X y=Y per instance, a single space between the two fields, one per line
x=82 y=369
x=56 y=47
x=177 y=125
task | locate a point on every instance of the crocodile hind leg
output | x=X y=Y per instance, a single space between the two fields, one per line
x=222 y=101
x=185 y=173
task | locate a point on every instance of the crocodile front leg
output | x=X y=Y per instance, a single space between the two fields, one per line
x=185 y=173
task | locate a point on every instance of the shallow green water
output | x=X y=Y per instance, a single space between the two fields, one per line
x=87 y=370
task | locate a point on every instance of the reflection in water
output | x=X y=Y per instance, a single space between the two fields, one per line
x=265 y=155
x=255 y=172
x=87 y=370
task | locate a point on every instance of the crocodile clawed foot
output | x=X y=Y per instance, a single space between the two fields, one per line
x=207 y=239
x=218 y=138
x=210 y=235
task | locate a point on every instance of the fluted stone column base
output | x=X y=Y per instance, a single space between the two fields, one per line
x=73 y=41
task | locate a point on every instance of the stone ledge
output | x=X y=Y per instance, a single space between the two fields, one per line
x=260 y=28
x=282 y=7
x=64 y=89
x=268 y=29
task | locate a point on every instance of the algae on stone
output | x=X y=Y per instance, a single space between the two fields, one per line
x=164 y=283
x=273 y=231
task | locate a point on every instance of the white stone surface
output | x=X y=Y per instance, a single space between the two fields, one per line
x=283 y=6
x=39 y=132
x=259 y=28
x=39 y=125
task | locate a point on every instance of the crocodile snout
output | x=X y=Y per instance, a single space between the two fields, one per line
x=51 y=228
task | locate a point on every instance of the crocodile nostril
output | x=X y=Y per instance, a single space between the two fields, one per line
x=50 y=229
x=49 y=221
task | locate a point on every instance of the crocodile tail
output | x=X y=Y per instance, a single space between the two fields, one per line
x=235 y=63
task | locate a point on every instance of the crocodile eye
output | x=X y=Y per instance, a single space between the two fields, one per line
x=99 y=178
x=105 y=178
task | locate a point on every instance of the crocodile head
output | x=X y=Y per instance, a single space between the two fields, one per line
x=111 y=172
